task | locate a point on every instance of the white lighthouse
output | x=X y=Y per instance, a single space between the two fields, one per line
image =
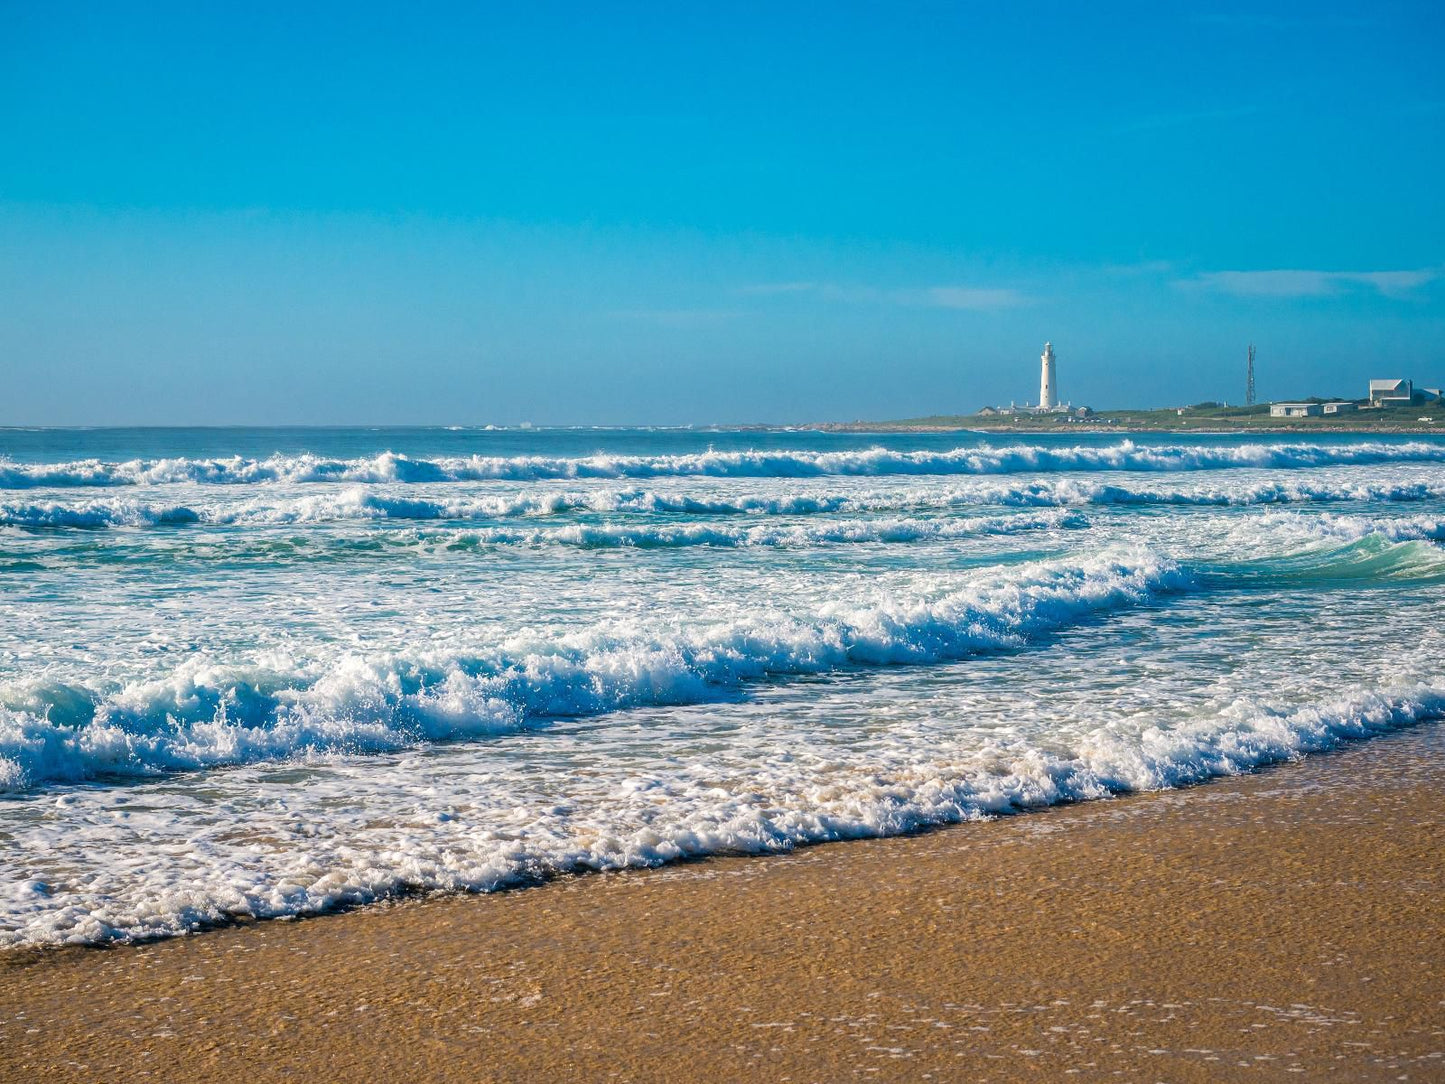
x=1048 y=387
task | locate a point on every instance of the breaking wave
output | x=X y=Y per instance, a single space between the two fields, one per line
x=614 y=536
x=360 y=503
x=1339 y=557
x=207 y=714
x=986 y=459
x=676 y=535
x=690 y=815
x=1393 y=528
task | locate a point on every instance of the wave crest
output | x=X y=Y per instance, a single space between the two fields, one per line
x=205 y=715
x=362 y=503
x=986 y=459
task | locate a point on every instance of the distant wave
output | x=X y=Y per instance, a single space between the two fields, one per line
x=615 y=536
x=1336 y=553
x=611 y=535
x=1393 y=528
x=96 y=515
x=390 y=467
x=1293 y=491
x=206 y=714
x=361 y=503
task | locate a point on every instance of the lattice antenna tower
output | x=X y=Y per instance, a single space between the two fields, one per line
x=1249 y=379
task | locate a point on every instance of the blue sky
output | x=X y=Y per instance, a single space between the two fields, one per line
x=613 y=213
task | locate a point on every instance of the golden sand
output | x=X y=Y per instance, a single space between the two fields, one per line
x=1284 y=925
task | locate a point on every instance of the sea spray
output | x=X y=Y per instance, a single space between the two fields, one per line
x=372 y=504
x=984 y=459
x=239 y=680
x=647 y=821
x=205 y=715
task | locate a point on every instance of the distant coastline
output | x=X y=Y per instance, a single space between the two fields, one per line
x=1172 y=420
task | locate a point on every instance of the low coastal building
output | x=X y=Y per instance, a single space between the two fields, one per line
x=1402 y=392
x=1339 y=406
x=1295 y=410
x=1391 y=392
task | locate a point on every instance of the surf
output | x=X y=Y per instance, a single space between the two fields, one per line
x=877 y=461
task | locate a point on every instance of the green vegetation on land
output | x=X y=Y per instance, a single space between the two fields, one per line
x=1202 y=417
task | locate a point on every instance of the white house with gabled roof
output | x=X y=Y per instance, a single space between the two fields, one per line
x=1391 y=392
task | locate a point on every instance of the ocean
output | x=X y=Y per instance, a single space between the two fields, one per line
x=273 y=672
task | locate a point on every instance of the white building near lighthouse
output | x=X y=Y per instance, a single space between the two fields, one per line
x=1049 y=401
x=1048 y=379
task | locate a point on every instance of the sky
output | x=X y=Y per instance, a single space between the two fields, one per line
x=626 y=213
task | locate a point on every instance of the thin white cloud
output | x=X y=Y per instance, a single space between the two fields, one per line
x=933 y=297
x=768 y=289
x=970 y=297
x=1303 y=283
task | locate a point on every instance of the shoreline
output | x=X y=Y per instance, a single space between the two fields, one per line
x=884 y=428
x=1286 y=920
x=962 y=424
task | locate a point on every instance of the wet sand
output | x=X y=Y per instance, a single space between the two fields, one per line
x=1285 y=925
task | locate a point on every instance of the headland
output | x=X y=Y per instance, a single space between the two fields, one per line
x=1200 y=418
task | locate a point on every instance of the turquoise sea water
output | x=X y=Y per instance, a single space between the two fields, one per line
x=268 y=672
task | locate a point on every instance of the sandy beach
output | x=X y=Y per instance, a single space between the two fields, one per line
x=574 y=542
x=1283 y=924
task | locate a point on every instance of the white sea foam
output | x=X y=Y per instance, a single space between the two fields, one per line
x=614 y=536
x=665 y=536
x=212 y=872
x=96 y=514
x=205 y=714
x=363 y=503
x=983 y=459
x=1209 y=494
x=1395 y=528
x=1295 y=536
x=437 y=673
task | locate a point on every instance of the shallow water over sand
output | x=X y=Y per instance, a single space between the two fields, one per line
x=270 y=672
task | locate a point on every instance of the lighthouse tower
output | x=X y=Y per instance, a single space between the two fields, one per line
x=1048 y=386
